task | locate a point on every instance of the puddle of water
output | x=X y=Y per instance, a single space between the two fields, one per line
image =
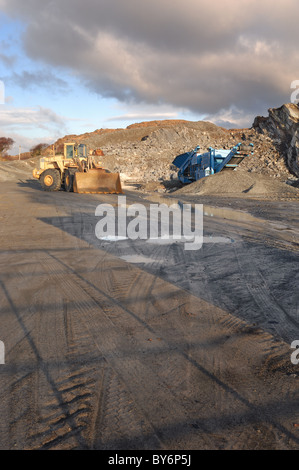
x=209 y=211
x=284 y=232
x=230 y=214
x=246 y=218
x=171 y=240
x=111 y=238
x=216 y=240
x=138 y=259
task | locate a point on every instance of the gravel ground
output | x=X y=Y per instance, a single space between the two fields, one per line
x=133 y=345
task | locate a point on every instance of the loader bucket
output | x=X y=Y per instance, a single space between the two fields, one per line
x=97 y=181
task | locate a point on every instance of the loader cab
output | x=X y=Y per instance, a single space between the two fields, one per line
x=69 y=151
x=72 y=150
x=81 y=151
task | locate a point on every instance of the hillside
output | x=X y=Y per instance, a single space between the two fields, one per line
x=143 y=152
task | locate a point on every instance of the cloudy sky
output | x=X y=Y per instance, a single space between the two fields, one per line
x=70 y=66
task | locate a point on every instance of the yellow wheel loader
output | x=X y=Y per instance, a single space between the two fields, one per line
x=76 y=171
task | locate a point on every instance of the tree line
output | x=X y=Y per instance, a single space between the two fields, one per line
x=6 y=143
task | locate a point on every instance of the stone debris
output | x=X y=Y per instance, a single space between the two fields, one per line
x=143 y=153
x=282 y=126
x=242 y=184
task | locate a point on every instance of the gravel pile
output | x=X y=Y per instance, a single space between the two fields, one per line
x=241 y=183
x=17 y=170
x=143 y=153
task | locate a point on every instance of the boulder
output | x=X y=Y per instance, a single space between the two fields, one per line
x=282 y=125
x=98 y=153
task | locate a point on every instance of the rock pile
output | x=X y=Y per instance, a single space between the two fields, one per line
x=240 y=184
x=144 y=152
x=150 y=159
x=282 y=125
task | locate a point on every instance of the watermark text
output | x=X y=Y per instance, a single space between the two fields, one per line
x=2 y=353
x=295 y=354
x=159 y=223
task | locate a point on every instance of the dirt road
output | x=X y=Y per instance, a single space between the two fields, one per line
x=131 y=345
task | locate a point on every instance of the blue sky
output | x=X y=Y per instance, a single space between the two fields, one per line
x=71 y=67
x=43 y=111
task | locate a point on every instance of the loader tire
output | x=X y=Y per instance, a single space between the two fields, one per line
x=50 y=180
x=69 y=180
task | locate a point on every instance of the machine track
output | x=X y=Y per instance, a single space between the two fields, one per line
x=105 y=354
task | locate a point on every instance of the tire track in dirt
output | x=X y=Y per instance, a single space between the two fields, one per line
x=117 y=285
x=134 y=424
x=114 y=345
x=282 y=322
x=272 y=356
x=216 y=382
x=53 y=409
x=118 y=422
x=119 y=352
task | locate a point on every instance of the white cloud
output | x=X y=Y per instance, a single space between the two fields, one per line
x=44 y=118
x=135 y=117
x=193 y=54
x=20 y=123
x=143 y=112
x=231 y=118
